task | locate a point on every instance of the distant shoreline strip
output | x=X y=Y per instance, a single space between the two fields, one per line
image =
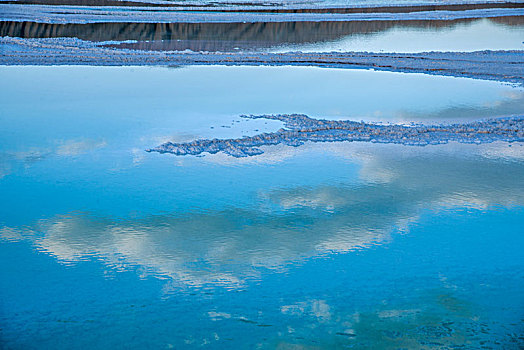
x=503 y=66
x=115 y=14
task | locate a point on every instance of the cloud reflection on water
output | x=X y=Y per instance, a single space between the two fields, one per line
x=61 y=148
x=229 y=246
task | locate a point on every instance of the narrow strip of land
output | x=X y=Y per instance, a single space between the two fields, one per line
x=275 y=7
x=105 y=14
x=301 y=128
x=506 y=66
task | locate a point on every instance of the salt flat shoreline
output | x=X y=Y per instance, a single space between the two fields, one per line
x=504 y=66
x=301 y=128
x=105 y=14
x=282 y=7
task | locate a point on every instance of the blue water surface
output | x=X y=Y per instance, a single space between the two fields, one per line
x=328 y=245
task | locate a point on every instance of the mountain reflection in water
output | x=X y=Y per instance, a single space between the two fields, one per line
x=232 y=36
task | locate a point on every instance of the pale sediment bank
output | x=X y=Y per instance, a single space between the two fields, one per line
x=286 y=6
x=505 y=66
x=301 y=128
x=103 y=14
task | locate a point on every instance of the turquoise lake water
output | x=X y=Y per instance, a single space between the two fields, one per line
x=328 y=245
